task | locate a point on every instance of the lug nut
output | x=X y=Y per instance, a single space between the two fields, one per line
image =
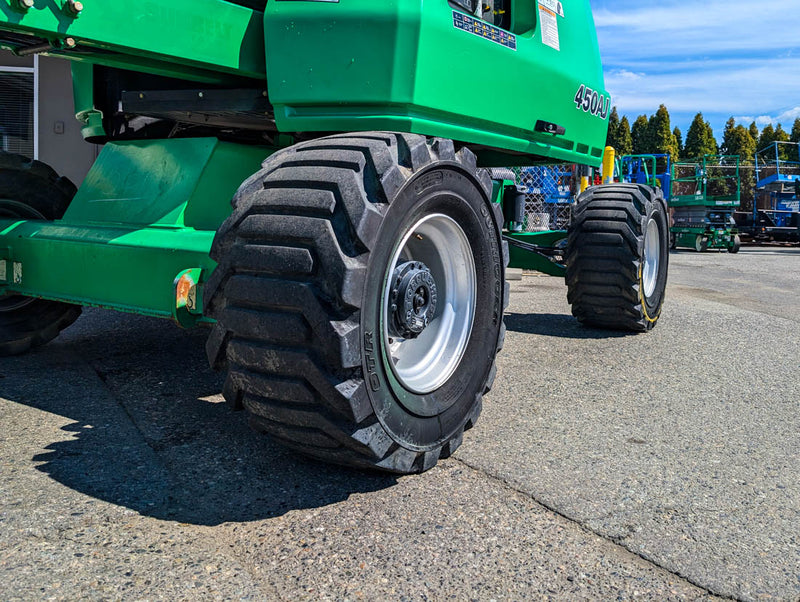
x=25 y=4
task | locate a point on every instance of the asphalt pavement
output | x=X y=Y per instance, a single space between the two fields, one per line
x=661 y=466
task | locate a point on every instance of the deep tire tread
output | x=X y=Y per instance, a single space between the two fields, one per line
x=603 y=258
x=288 y=325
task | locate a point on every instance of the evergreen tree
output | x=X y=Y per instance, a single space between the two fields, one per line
x=661 y=140
x=754 y=131
x=612 y=138
x=782 y=136
x=767 y=137
x=769 y=134
x=795 y=137
x=625 y=140
x=727 y=136
x=738 y=140
x=700 y=139
x=639 y=135
x=679 y=139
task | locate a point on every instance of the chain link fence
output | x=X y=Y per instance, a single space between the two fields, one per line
x=549 y=193
x=550 y=190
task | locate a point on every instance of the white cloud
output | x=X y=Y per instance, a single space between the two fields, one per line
x=683 y=28
x=785 y=118
x=716 y=86
x=721 y=58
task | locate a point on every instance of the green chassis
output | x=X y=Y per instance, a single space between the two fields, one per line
x=137 y=235
x=136 y=265
x=718 y=238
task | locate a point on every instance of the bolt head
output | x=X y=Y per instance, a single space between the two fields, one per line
x=26 y=3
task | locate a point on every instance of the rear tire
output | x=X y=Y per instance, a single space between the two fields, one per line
x=737 y=244
x=31 y=190
x=310 y=261
x=700 y=244
x=617 y=257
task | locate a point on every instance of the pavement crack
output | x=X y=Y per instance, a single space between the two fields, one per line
x=616 y=541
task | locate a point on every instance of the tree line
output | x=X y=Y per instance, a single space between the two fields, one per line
x=654 y=135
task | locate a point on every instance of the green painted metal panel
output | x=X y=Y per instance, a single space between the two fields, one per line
x=169 y=183
x=405 y=66
x=147 y=211
x=119 y=268
x=186 y=38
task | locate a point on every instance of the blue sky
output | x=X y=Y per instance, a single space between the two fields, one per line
x=720 y=57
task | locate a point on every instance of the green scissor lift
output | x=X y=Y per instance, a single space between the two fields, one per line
x=354 y=286
x=705 y=193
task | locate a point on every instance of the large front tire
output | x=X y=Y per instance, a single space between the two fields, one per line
x=617 y=257
x=31 y=190
x=359 y=298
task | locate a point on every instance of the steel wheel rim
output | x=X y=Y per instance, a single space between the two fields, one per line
x=652 y=257
x=425 y=363
x=10 y=208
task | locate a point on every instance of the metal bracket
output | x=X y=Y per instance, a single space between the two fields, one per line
x=553 y=254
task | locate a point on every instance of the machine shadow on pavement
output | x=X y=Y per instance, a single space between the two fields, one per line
x=558 y=325
x=149 y=431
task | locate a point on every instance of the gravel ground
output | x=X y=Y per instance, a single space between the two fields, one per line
x=661 y=466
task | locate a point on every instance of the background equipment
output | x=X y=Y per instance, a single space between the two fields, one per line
x=705 y=193
x=776 y=210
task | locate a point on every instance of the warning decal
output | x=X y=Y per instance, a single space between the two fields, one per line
x=548 y=21
x=484 y=30
x=554 y=6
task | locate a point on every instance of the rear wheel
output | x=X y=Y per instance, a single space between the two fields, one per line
x=31 y=190
x=700 y=243
x=359 y=298
x=617 y=257
x=736 y=244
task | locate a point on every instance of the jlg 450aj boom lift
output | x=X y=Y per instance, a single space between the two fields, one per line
x=355 y=284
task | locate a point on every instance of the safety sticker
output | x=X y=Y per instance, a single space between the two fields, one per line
x=484 y=30
x=554 y=6
x=548 y=24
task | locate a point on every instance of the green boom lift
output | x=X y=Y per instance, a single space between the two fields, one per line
x=355 y=284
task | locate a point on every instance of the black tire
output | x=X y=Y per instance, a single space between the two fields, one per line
x=32 y=190
x=737 y=244
x=299 y=291
x=700 y=244
x=606 y=257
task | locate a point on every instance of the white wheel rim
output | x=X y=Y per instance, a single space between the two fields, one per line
x=425 y=363
x=652 y=257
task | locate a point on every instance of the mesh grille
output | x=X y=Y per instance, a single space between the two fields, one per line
x=549 y=193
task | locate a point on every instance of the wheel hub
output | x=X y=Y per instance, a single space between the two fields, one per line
x=412 y=301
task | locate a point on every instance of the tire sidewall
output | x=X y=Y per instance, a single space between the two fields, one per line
x=424 y=421
x=651 y=304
